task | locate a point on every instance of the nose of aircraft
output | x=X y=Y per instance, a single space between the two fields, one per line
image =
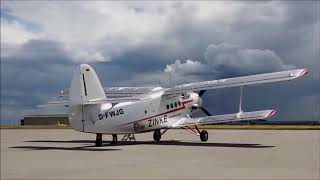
x=197 y=99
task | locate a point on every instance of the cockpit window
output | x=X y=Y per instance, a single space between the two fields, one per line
x=185 y=95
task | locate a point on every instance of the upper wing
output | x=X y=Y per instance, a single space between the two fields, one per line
x=238 y=81
x=116 y=92
x=114 y=95
x=97 y=101
x=242 y=116
x=112 y=100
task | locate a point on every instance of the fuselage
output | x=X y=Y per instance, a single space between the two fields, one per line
x=154 y=112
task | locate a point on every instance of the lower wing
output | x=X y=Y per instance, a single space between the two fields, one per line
x=241 y=116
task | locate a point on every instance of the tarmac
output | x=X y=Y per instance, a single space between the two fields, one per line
x=228 y=154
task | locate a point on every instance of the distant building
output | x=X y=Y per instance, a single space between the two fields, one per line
x=46 y=116
x=45 y=120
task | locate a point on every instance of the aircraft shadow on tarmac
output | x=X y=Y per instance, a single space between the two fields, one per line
x=81 y=148
x=127 y=143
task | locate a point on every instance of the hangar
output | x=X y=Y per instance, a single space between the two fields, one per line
x=45 y=119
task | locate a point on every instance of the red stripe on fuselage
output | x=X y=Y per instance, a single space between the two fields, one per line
x=178 y=109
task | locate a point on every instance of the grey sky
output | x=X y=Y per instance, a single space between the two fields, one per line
x=138 y=43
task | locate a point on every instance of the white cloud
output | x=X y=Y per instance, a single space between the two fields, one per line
x=189 y=67
x=102 y=30
x=86 y=54
x=13 y=33
x=181 y=72
x=219 y=60
x=93 y=31
x=273 y=12
x=239 y=60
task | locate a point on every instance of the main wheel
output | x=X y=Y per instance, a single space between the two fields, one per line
x=157 y=135
x=98 y=141
x=114 y=139
x=204 y=135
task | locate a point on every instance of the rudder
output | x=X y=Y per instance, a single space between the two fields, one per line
x=85 y=86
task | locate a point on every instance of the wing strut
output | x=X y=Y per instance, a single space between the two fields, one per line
x=240 y=101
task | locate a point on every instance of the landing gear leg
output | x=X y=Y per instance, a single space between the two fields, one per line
x=98 y=142
x=157 y=135
x=204 y=135
x=114 y=139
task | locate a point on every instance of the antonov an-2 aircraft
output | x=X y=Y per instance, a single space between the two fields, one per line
x=141 y=110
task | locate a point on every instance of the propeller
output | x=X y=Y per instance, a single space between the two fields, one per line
x=201 y=93
x=205 y=111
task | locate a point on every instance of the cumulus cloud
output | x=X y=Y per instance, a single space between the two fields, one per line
x=96 y=31
x=238 y=60
x=219 y=61
x=189 y=67
x=101 y=31
x=181 y=71
x=14 y=33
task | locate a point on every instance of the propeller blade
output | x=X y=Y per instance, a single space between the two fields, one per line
x=202 y=92
x=205 y=111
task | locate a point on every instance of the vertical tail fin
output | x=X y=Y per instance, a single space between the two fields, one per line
x=85 y=86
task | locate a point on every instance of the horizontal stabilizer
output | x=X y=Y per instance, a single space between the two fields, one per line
x=54 y=104
x=241 y=116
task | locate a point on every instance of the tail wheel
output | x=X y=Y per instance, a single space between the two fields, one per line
x=157 y=135
x=204 y=135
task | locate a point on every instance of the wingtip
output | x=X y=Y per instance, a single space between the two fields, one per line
x=273 y=112
x=303 y=72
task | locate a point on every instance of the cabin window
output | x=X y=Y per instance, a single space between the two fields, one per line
x=145 y=111
x=171 y=105
x=167 y=106
x=175 y=104
x=179 y=103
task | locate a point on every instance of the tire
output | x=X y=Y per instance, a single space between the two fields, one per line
x=204 y=136
x=114 y=139
x=98 y=141
x=157 y=135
